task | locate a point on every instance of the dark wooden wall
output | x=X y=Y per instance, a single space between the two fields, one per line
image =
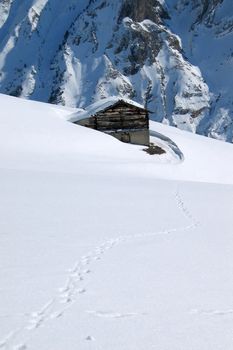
x=119 y=117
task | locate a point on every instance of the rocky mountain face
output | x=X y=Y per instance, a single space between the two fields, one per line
x=173 y=56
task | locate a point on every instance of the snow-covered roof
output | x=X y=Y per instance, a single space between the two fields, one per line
x=101 y=105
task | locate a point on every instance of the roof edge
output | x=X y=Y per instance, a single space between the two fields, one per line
x=101 y=106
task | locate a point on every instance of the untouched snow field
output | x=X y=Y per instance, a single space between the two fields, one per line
x=105 y=247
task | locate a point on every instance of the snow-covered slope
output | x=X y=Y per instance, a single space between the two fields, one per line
x=105 y=247
x=45 y=131
x=154 y=52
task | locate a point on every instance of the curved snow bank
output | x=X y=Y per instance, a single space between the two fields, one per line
x=205 y=159
x=167 y=144
x=35 y=135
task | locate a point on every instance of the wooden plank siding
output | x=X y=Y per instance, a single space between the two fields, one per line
x=119 y=120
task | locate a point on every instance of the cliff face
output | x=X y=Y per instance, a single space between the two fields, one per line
x=152 y=51
x=206 y=29
x=139 y=10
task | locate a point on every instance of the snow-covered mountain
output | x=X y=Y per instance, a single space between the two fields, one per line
x=174 y=56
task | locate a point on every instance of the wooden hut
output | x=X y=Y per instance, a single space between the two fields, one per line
x=126 y=120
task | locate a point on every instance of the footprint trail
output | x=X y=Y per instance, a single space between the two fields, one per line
x=74 y=288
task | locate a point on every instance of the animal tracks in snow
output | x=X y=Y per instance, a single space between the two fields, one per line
x=66 y=296
x=212 y=312
x=109 y=314
x=74 y=287
x=185 y=210
x=90 y=338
